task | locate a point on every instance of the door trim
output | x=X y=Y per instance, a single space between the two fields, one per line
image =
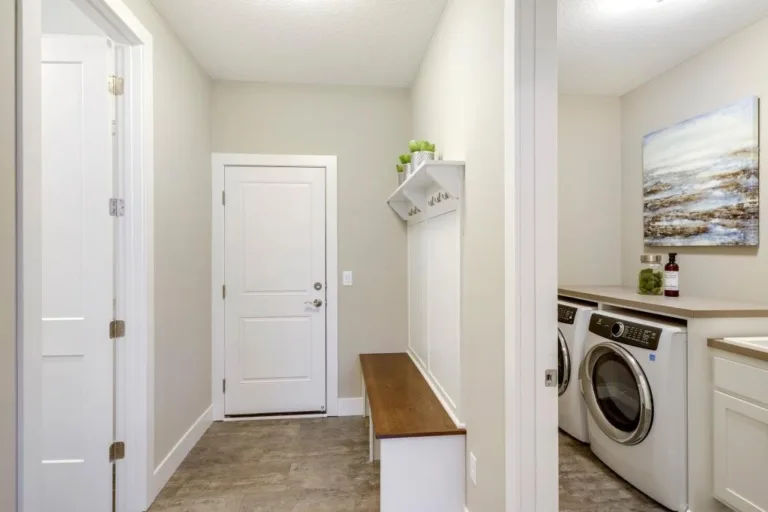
x=134 y=400
x=530 y=213
x=219 y=162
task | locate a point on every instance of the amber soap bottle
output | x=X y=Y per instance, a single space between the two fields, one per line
x=672 y=277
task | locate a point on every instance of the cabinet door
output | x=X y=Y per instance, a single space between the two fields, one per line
x=741 y=453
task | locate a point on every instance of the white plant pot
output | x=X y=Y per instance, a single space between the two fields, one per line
x=400 y=178
x=419 y=157
x=408 y=169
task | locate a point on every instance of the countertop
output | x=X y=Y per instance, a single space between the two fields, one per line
x=684 y=306
x=756 y=348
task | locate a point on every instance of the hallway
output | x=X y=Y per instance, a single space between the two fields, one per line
x=276 y=466
x=322 y=465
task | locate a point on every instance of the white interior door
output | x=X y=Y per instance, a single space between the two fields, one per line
x=274 y=263
x=77 y=266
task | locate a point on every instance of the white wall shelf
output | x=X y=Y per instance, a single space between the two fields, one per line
x=448 y=175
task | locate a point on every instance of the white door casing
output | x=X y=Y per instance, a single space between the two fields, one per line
x=275 y=339
x=77 y=279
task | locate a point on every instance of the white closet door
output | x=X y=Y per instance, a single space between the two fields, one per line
x=77 y=280
x=417 y=284
x=443 y=283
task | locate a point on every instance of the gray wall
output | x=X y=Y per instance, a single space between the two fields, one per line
x=182 y=204
x=7 y=258
x=589 y=188
x=727 y=72
x=367 y=128
x=458 y=103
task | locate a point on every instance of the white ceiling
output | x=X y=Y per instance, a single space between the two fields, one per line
x=610 y=47
x=351 y=42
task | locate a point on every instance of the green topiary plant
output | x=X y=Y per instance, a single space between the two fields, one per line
x=405 y=159
x=400 y=168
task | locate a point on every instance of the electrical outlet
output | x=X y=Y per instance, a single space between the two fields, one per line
x=473 y=468
x=347 y=278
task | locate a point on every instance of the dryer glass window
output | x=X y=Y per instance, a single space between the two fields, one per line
x=617 y=392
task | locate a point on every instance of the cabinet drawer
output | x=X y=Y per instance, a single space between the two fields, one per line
x=741 y=379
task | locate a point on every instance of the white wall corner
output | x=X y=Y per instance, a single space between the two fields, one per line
x=351 y=406
x=179 y=452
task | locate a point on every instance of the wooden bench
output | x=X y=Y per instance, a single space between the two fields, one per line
x=422 y=451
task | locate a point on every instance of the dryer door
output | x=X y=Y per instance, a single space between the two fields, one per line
x=617 y=393
x=563 y=364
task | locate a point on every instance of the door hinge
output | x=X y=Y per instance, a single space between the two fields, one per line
x=224 y=386
x=117 y=207
x=116 y=329
x=223 y=291
x=116 y=451
x=116 y=85
x=223 y=198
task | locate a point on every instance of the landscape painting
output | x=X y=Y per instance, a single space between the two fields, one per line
x=701 y=180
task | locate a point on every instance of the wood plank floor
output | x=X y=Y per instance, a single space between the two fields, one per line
x=322 y=465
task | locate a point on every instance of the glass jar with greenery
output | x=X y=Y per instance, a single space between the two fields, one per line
x=650 y=279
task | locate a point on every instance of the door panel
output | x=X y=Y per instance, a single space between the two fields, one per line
x=275 y=349
x=285 y=264
x=275 y=253
x=77 y=275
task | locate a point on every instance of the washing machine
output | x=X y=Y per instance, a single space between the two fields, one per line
x=634 y=381
x=572 y=325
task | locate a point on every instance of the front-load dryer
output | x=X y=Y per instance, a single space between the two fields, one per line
x=572 y=325
x=634 y=382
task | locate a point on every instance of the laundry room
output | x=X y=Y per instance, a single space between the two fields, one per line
x=662 y=314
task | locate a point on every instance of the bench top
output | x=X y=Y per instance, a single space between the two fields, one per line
x=402 y=403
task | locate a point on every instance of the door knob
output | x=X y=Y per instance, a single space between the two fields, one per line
x=314 y=303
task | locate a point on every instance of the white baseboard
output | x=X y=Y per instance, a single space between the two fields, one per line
x=351 y=406
x=178 y=453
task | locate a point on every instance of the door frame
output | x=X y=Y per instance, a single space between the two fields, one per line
x=530 y=190
x=134 y=396
x=220 y=161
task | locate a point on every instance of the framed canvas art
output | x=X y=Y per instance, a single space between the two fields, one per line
x=701 y=180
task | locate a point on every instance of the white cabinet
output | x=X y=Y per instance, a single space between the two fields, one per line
x=740 y=407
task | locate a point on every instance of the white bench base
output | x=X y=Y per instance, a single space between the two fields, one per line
x=423 y=474
x=420 y=474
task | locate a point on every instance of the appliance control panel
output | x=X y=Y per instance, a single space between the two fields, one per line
x=566 y=314
x=623 y=331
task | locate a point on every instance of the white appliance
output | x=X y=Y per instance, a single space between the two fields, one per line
x=572 y=325
x=634 y=381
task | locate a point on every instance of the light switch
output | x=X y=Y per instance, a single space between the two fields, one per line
x=347 y=278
